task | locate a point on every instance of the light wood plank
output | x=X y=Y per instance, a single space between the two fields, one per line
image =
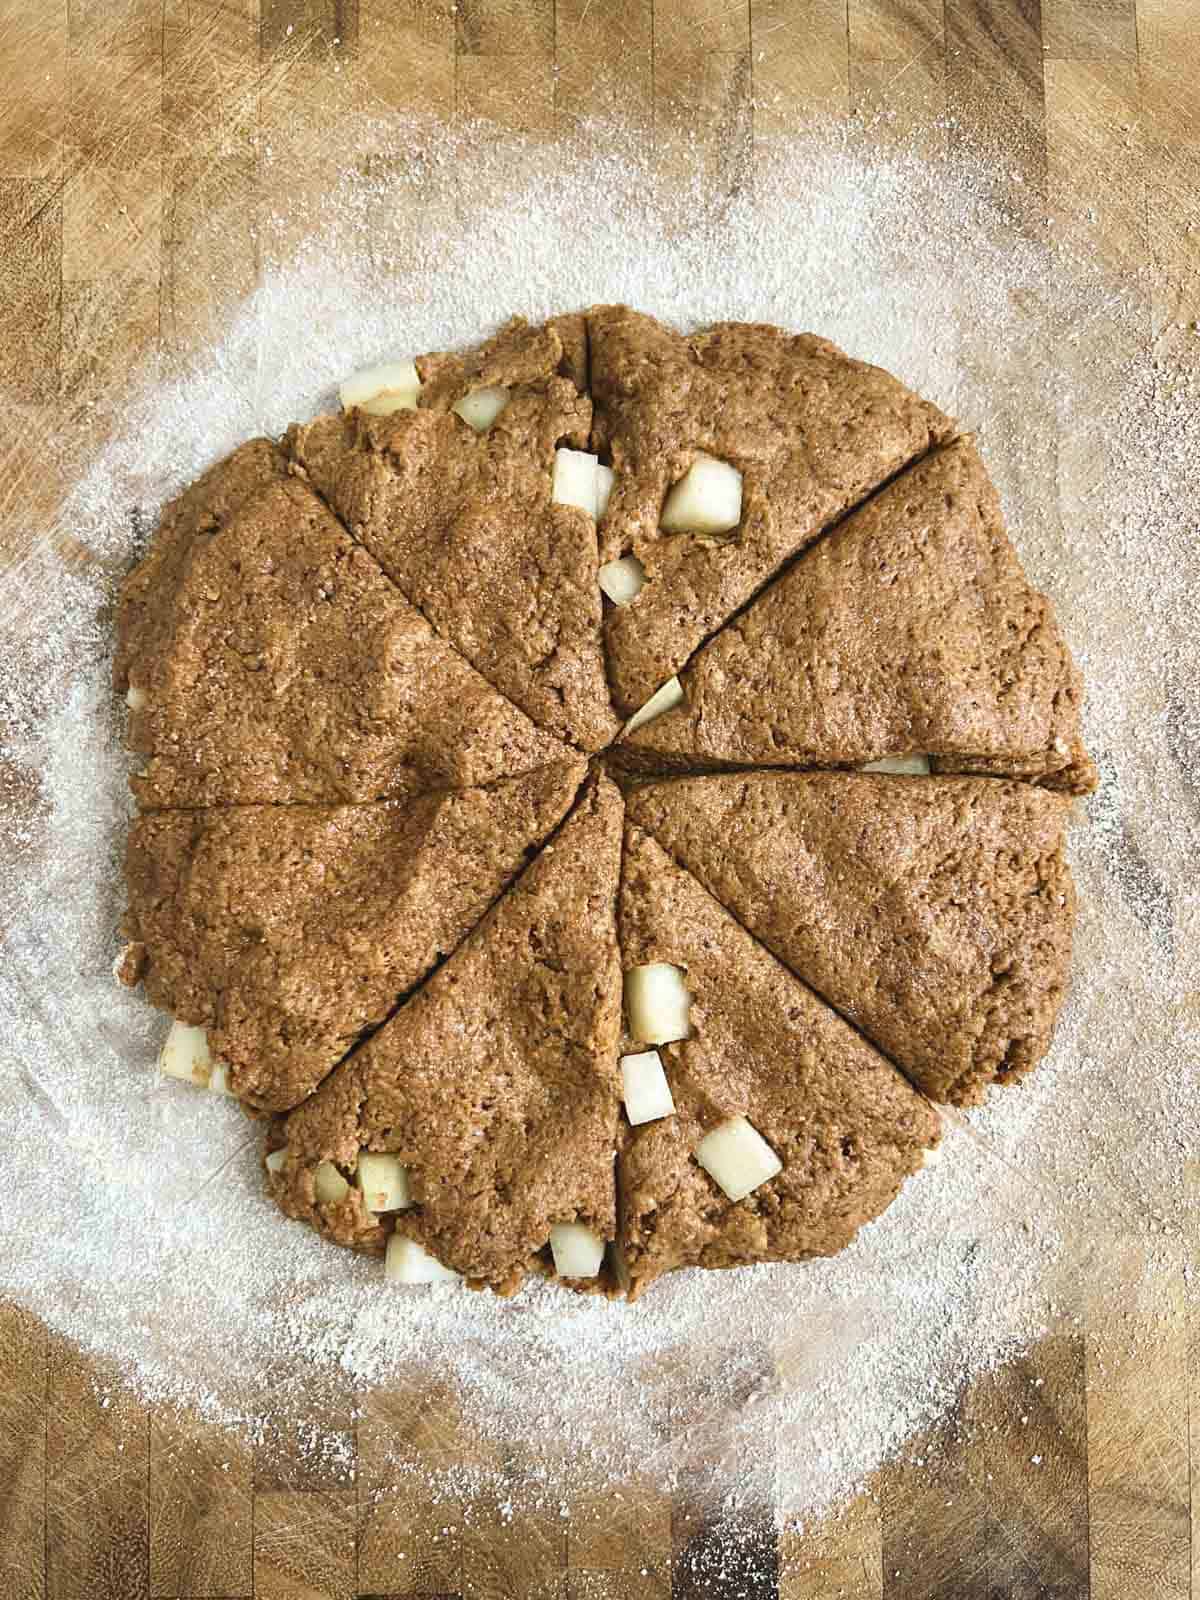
x=1137 y=1426
x=1090 y=30
x=23 y=1393
x=97 y=1457
x=603 y=54
x=31 y=307
x=33 y=46
x=201 y=1491
x=801 y=60
x=840 y=1555
x=304 y=1545
x=516 y=92
x=898 y=72
x=995 y=96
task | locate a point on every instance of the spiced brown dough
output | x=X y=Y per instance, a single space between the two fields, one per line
x=288 y=931
x=909 y=628
x=497 y=1084
x=934 y=913
x=846 y=1126
x=811 y=431
x=280 y=664
x=465 y=525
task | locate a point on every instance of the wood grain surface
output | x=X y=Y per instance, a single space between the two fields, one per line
x=125 y=125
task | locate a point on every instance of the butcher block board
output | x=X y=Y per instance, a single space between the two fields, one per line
x=121 y=124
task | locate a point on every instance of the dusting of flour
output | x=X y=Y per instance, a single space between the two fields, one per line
x=176 y=1267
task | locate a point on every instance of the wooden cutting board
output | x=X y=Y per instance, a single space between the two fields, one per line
x=123 y=125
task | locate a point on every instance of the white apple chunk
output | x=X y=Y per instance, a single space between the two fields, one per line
x=481 y=407
x=219 y=1083
x=394 y=386
x=136 y=699
x=330 y=1186
x=407 y=1262
x=604 y=488
x=622 y=580
x=932 y=1156
x=707 y=499
x=663 y=699
x=738 y=1158
x=383 y=1181
x=577 y=1251
x=657 y=1003
x=185 y=1055
x=915 y=766
x=277 y=1160
x=646 y=1092
x=574 y=482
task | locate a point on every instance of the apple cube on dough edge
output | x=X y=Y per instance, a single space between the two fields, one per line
x=664 y=699
x=905 y=766
x=185 y=1055
x=647 y=1094
x=707 y=499
x=574 y=482
x=277 y=1160
x=394 y=386
x=481 y=407
x=657 y=1003
x=407 y=1262
x=331 y=1187
x=577 y=1251
x=622 y=581
x=738 y=1158
x=383 y=1181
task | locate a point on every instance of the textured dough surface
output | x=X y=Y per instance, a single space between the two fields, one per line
x=465 y=525
x=288 y=931
x=847 y=1127
x=812 y=432
x=497 y=1084
x=934 y=913
x=281 y=665
x=911 y=627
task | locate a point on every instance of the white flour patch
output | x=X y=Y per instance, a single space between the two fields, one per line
x=174 y=1264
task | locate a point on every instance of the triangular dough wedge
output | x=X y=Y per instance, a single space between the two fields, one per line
x=275 y=662
x=934 y=913
x=287 y=931
x=910 y=628
x=846 y=1126
x=496 y=1085
x=811 y=431
x=465 y=525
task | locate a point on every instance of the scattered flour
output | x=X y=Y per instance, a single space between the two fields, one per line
x=135 y=1220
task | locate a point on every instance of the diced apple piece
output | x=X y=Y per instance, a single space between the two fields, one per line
x=219 y=1082
x=331 y=1187
x=906 y=766
x=662 y=700
x=406 y=1262
x=394 y=386
x=482 y=406
x=707 y=499
x=647 y=1094
x=574 y=482
x=277 y=1160
x=185 y=1055
x=383 y=1181
x=657 y=1003
x=622 y=580
x=932 y=1156
x=136 y=699
x=738 y=1158
x=604 y=487
x=577 y=1251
